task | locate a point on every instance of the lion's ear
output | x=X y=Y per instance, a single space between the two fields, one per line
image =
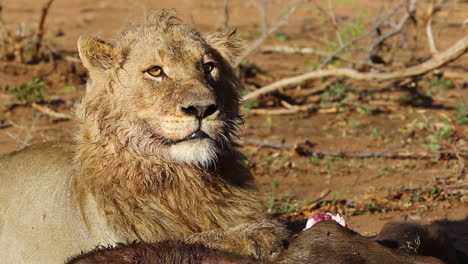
x=228 y=44
x=96 y=54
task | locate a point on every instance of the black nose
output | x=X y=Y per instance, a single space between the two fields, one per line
x=200 y=111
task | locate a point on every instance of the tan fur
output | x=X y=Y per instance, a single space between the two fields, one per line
x=128 y=176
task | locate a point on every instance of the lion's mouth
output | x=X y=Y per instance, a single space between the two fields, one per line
x=199 y=134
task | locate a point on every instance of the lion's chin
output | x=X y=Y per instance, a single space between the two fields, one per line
x=201 y=152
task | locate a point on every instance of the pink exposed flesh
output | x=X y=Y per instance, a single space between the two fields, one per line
x=318 y=217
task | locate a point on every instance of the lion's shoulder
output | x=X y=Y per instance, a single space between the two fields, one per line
x=49 y=150
x=38 y=159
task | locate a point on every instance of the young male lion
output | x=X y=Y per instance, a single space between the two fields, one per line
x=154 y=158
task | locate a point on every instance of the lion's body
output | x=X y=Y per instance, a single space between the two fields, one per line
x=153 y=158
x=37 y=221
x=41 y=221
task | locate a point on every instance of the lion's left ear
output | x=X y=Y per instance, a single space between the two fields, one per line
x=96 y=55
x=228 y=44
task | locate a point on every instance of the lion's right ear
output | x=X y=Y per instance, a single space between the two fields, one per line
x=96 y=54
x=228 y=44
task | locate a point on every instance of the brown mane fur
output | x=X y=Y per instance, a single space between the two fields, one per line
x=144 y=195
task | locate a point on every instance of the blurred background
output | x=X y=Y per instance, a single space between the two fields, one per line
x=351 y=106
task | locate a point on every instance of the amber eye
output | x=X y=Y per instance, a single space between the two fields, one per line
x=208 y=67
x=155 y=71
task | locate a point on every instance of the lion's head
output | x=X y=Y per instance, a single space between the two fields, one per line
x=162 y=89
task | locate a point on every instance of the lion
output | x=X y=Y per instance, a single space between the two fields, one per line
x=154 y=157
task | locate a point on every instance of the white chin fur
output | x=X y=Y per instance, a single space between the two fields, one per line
x=201 y=152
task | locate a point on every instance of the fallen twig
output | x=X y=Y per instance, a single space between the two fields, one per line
x=455 y=75
x=291 y=109
x=47 y=111
x=263 y=143
x=5 y=126
x=308 y=149
x=294 y=50
x=28 y=137
x=452 y=53
x=53 y=66
x=71 y=59
x=316 y=89
x=30 y=132
x=321 y=196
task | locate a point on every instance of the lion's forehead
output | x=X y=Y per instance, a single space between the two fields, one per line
x=176 y=43
x=181 y=56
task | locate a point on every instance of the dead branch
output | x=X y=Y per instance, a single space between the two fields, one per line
x=312 y=51
x=16 y=41
x=263 y=6
x=430 y=36
x=29 y=135
x=308 y=149
x=279 y=22
x=331 y=13
x=458 y=187
x=332 y=19
x=316 y=89
x=452 y=53
x=282 y=111
x=293 y=109
x=30 y=132
x=53 y=62
x=321 y=196
x=455 y=75
x=294 y=50
x=49 y=112
x=40 y=27
x=17 y=139
x=262 y=143
x=397 y=29
x=377 y=25
x=71 y=59
x=226 y=14
x=5 y=126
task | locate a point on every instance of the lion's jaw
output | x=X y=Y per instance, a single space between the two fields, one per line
x=188 y=140
x=196 y=142
x=201 y=152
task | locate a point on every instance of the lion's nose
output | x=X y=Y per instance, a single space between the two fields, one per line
x=200 y=111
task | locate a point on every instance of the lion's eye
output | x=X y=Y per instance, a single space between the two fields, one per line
x=208 y=67
x=155 y=71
